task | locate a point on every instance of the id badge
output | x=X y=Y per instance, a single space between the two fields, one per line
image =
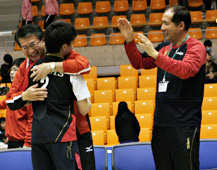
x=163 y=86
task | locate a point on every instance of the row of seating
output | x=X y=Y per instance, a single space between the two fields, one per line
x=104 y=7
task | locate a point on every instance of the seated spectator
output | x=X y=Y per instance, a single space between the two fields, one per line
x=126 y=125
x=5 y=68
x=208 y=46
x=3 y=138
x=18 y=122
x=211 y=70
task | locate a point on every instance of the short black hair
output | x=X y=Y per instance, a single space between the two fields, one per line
x=18 y=61
x=57 y=34
x=28 y=30
x=208 y=43
x=8 y=58
x=181 y=14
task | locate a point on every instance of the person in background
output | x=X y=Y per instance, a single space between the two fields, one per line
x=211 y=69
x=208 y=46
x=5 y=68
x=27 y=16
x=18 y=122
x=51 y=10
x=3 y=138
x=126 y=125
x=180 y=86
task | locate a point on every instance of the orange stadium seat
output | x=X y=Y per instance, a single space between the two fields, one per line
x=115 y=107
x=80 y=41
x=147 y=72
x=128 y=70
x=195 y=3
x=112 y=138
x=2 y=97
x=209 y=117
x=155 y=36
x=135 y=36
x=157 y=5
x=145 y=120
x=147 y=81
x=34 y=11
x=82 y=24
x=139 y=5
x=100 y=109
x=99 y=123
x=146 y=93
x=138 y=20
x=209 y=103
x=98 y=137
x=195 y=33
x=173 y=2
x=210 y=90
x=211 y=32
x=125 y=95
x=91 y=84
x=144 y=135
x=104 y=96
x=92 y=74
x=41 y=24
x=106 y=83
x=211 y=15
x=196 y=17
x=103 y=7
x=121 y=6
x=43 y=11
x=115 y=19
x=129 y=82
x=208 y=131
x=16 y=47
x=101 y=22
x=112 y=122
x=35 y=1
x=84 y=8
x=66 y=9
x=116 y=39
x=97 y=39
x=155 y=19
x=3 y=113
x=144 y=107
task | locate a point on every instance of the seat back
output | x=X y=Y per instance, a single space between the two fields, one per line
x=41 y=24
x=125 y=95
x=14 y=159
x=97 y=39
x=112 y=122
x=115 y=19
x=209 y=117
x=84 y=8
x=148 y=81
x=157 y=5
x=210 y=90
x=98 y=123
x=80 y=41
x=207 y=154
x=195 y=33
x=100 y=109
x=147 y=93
x=116 y=38
x=92 y=74
x=208 y=131
x=209 y=103
x=128 y=70
x=144 y=135
x=103 y=7
x=155 y=36
x=101 y=160
x=139 y=5
x=106 y=83
x=112 y=138
x=129 y=82
x=34 y=11
x=155 y=19
x=121 y=6
x=196 y=17
x=98 y=137
x=211 y=15
x=140 y=157
x=66 y=9
x=211 y=32
x=173 y=2
x=82 y=24
x=138 y=20
x=101 y=22
x=195 y=3
x=43 y=11
x=104 y=96
x=147 y=72
x=145 y=120
x=144 y=107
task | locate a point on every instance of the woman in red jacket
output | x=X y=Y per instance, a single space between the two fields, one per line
x=18 y=122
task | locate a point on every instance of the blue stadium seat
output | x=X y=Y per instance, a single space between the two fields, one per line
x=16 y=159
x=208 y=154
x=132 y=156
x=101 y=160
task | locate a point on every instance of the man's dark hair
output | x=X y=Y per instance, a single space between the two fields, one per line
x=207 y=43
x=8 y=58
x=57 y=34
x=28 y=30
x=18 y=61
x=181 y=14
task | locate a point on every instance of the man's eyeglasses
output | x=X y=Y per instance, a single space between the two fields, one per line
x=32 y=46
